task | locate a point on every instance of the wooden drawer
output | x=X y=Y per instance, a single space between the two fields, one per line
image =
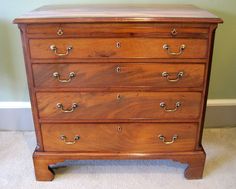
x=118 y=75
x=118 y=30
x=133 y=137
x=118 y=106
x=79 y=48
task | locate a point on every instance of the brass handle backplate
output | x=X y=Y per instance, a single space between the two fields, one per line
x=167 y=76
x=57 y=76
x=55 y=50
x=64 y=138
x=61 y=107
x=181 y=49
x=163 y=105
x=163 y=139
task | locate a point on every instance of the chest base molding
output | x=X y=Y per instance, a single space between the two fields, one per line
x=44 y=160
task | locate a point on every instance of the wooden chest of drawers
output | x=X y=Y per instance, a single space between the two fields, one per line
x=118 y=82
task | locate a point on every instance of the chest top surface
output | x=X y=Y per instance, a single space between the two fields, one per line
x=118 y=13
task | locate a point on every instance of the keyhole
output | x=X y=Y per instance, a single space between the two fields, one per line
x=118 y=97
x=60 y=32
x=118 y=45
x=174 y=32
x=119 y=128
x=118 y=69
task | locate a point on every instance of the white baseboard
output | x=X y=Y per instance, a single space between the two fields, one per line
x=221 y=102
x=14 y=105
x=18 y=116
x=15 y=117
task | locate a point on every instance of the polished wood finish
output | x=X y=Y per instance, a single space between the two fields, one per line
x=132 y=137
x=158 y=30
x=106 y=48
x=125 y=75
x=118 y=13
x=117 y=59
x=124 y=105
x=43 y=160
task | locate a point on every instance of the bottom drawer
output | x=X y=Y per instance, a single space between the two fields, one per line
x=129 y=137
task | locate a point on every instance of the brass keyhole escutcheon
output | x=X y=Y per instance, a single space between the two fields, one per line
x=174 y=32
x=119 y=129
x=60 y=32
x=118 y=44
x=118 y=97
x=118 y=69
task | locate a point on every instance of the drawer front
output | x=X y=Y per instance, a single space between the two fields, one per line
x=123 y=105
x=131 y=137
x=115 y=30
x=73 y=48
x=118 y=75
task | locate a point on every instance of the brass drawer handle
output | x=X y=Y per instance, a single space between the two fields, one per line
x=167 y=76
x=61 y=107
x=163 y=105
x=163 y=139
x=181 y=49
x=57 y=76
x=54 y=49
x=64 y=138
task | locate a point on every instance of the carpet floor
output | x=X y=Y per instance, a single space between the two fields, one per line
x=220 y=170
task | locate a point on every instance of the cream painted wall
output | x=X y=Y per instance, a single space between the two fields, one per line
x=13 y=86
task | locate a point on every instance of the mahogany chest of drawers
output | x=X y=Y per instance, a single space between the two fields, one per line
x=118 y=82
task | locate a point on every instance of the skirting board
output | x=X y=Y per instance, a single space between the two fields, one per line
x=17 y=115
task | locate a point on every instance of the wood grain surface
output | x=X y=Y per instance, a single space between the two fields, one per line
x=118 y=113
x=44 y=160
x=131 y=105
x=133 y=137
x=127 y=75
x=118 y=30
x=106 y=48
x=118 y=12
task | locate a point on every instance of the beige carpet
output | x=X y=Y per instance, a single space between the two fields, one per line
x=220 y=170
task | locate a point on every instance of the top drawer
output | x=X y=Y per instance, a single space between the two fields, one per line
x=88 y=48
x=118 y=30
